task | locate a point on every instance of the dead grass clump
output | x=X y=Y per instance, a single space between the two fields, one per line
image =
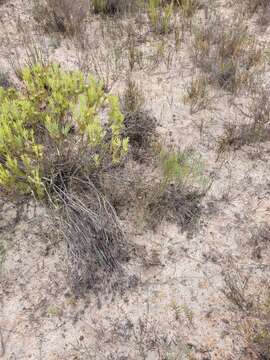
x=260 y=240
x=140 y=128
x=198 y=95
x=237 y=136
x=256 y=327
x=259 y=108
x=169 y=188
x=236 y=289
x=4 y=80
x=259 y=8
x=254 y=311
x=260 y=340
x=119 y=184
x=227 y=53
x=173 y=204
x=188 y=7
x=94 y=238
x=133 y=339
x=133 y=99
x=252 y=303
x=254 y=5
x=177 y=194
x=257 y=129
x=112 y=7
x=64 y=16
x=264 y=17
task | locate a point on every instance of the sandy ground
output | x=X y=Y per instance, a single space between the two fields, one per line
x=178 y=309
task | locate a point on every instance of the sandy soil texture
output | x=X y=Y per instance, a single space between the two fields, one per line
x=191 y=290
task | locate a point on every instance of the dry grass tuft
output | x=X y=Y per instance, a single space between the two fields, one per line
x=257 y=129
x=176 y=195
x=198 y=95
x=4 y=80
x=260 y=240
x=173 y=204
x=93 y=234
x=140 y=128
x=112 y=7
x=254 y=5
x=64 y=16
x=133 y=339
x=259 y=341
x=188 y=7
x=133 y=98
x=228 y=54
x=254 y=312
x=236 y=289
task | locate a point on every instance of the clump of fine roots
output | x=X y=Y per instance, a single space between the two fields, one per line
x=93 y=235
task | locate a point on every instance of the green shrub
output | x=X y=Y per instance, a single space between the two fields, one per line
x=100 y=6
x=53 y=128
x=182 y=168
